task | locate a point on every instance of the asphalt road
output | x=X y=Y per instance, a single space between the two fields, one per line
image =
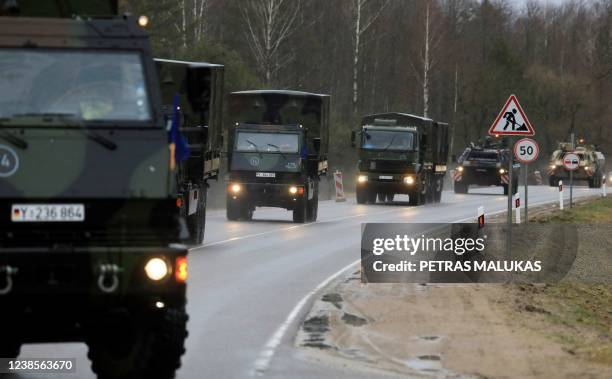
x=251 y=283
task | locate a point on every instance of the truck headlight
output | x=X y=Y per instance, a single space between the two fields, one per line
x=408 y=180
x=553 y=166
x=460 y=168
x=587 y=168
x=156 y=269
x=362 y=178
x=235 y=188
x=293 y=190
x=502 y=171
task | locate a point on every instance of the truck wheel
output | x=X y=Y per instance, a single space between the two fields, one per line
x=196 y=222
x=246 y=211
x=362 y=195
x=591 y=182
x=300 y=211
x=390 y=197
x=371 y=197
x=232 y=209
x=382 y=197
x=461 y=187
x=145 y=346
x=10 y=346
x=514 y=187
x=313 y=204
x=414 y=198
x=505 y=187
x=552 y=181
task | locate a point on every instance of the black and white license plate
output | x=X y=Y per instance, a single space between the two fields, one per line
x=385 y=177
x=265 y=174
x=48 y=213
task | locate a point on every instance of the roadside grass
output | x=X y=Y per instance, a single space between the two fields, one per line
x=591 y=212
x=579 y=315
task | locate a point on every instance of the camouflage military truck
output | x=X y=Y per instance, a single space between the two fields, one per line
x=591 y=169
x=485 y=164
x=88 y=211
x=278 y=151
x=400 y=153
x=192 y=94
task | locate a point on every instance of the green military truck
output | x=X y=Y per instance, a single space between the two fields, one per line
x=88 y=208
x=400 y=153
x=277 y=143
x=485 y=164
x=192 y=95
x=591 y=168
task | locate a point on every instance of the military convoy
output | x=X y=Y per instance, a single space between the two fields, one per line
x=591 y=168
x=400 y=153
x=485 y=164
x=277 y=142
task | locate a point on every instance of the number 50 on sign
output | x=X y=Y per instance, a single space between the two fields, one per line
x=526 y=150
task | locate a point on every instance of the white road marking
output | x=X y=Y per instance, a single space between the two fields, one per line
x=265 y=357
x=289 y=228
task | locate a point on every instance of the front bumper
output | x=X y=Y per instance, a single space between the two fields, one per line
x=385 y=182
x=267 y=194
x=480 y=176
x=579 y=174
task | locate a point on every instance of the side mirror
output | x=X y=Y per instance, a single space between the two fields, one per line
x=353 y=135
x=198 y=87
x=454 y=158
x=316 y=143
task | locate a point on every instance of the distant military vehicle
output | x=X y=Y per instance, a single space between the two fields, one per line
x=192 y=94
x=591 y=168
x=400 y=153
x=88 y=208
x=278 y=151
x=485 y=164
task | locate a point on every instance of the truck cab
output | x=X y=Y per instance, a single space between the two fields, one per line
x=89 y=227
x=400 y=154
x=277 y=144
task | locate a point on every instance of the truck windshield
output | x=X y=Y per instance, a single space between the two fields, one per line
x=267 y=142
x=81 y=85
x=387 y=140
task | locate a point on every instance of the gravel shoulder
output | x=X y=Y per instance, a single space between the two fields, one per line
x=561 y=330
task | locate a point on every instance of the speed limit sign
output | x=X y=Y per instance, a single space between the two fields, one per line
x=526 y=150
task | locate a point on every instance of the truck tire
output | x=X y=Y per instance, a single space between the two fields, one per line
x=460 y=187
x=10 y=346
x=246 y=211
x=515 y=187
x=145 y=346
x=371 y=197
x=552 y=181
x=414 y=198
x=197 y=221
x=300 y=211
x=313 y=204
x=390 y=197
x=361 y=193
x=232 y=209
x=505 y=187
x=382 y=197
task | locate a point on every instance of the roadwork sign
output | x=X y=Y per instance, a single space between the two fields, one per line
x=511 y=120
x=526 y=150
x=571 y=161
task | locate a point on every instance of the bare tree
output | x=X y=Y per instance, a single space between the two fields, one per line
x=431 y=40
x=268 y=24
x=361 y=25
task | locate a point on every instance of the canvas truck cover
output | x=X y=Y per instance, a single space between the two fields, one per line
x=271 y=107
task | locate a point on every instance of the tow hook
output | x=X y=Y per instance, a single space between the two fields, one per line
x=108 y=281
x=7 y=272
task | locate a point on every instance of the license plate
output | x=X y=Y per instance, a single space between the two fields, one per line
x=265 y=174
x=386 y=177
x=48 y=213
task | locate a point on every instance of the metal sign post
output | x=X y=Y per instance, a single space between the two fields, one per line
x=510 y=195
x=526 y=151
x=525 y=177
x=572 y=174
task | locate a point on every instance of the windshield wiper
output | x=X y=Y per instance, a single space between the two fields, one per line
x=390 y=142
x=279 y=150
x=60 y=115
x=18 y=142
x=107 y=143
x=255 y=146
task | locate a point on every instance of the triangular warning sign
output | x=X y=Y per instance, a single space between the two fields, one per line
x=511 y=120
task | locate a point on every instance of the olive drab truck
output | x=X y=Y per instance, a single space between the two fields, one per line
x=400 y=153
x=192 y=95
x=590 y=169
x=89 y=223
x=277 y=144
